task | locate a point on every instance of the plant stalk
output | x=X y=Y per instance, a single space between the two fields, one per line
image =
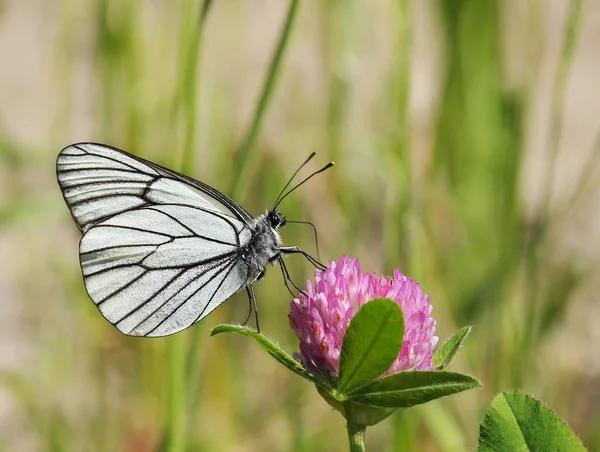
x=179 y=364
x=176 y=419
x=191 y=80
x=356 y=436
x=245 y=151
x=535 y=248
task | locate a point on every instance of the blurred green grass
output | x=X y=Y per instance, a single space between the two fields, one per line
x=432 y=187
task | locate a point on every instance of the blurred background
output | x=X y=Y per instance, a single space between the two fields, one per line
x=465 y=136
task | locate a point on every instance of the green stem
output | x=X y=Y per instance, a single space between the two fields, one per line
x=247 y=146
x=178 y=363
x=539 y=235
x=191 y=84
x=175 y=438
x=204 y=12
x=560 y=85
x=403 y=144
x=590 y=167
x=356 y=436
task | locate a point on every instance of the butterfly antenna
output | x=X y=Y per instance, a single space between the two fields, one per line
x=314 y=230
x=281 y=198
x=312 y=154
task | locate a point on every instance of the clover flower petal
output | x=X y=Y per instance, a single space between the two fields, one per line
x=321 y=315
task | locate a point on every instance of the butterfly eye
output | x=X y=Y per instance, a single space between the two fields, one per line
x=274 y=217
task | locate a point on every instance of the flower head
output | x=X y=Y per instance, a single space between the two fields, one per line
x=321 y=315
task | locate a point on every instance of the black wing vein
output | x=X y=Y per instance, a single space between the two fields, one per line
x=219 y=271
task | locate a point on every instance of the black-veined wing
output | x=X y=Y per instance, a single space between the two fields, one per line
x=98 y=181
x=159 y=250
x=156 y=270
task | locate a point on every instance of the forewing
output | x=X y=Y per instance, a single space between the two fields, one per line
x=98 y=181
x=157 y=269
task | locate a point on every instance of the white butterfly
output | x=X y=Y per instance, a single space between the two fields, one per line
x=161 y=250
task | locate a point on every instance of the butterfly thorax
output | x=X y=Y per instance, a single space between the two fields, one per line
x=264 y=244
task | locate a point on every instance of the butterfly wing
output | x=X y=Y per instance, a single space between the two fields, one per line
x=159 y=250
x=156 y=270
x=98 y=181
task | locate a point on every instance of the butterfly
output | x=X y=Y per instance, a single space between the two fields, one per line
x=159 y=250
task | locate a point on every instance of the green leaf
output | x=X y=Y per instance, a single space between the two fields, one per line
x=371 y=344
x=516 y=421
x=444 y=354
x=405 y=389
x=272 y=349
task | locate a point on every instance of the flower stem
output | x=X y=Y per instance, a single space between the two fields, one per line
x=176 y=419
x=356 y=436
x=247 y=147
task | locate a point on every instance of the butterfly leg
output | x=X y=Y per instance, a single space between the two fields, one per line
x=250 y=289
x=249 y=307
x=252 y=299
x=296 y=250
x=258 y=278
x=286 y=277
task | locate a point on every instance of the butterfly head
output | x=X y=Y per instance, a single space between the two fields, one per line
x=276 y=219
